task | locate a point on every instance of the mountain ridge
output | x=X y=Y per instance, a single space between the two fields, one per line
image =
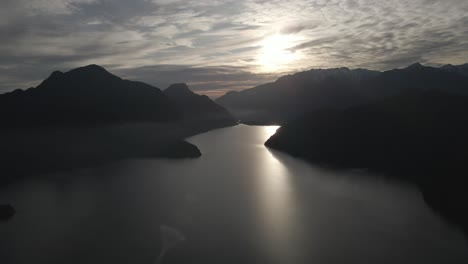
x=88 y=116
x=85 y=95
x=291 y=95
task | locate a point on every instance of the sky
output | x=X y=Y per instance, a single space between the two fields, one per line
x=217 y=46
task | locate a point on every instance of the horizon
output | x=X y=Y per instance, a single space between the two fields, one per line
x=220 y=93
x=221 y=46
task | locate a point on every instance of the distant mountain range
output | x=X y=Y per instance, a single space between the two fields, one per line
x=92 y=95
x=462 y=69
x=88 y=116
x=409 y=123
x=291 y=95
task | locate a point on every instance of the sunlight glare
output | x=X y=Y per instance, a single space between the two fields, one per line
x=270 y=130
x=276 y=52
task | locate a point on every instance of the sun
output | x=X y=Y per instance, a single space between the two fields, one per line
x=276 y=53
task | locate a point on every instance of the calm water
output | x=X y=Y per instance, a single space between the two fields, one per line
x=239 y=203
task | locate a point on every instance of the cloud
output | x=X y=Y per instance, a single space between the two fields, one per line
x=315 y=43
x=299 y=26
x=213 y=44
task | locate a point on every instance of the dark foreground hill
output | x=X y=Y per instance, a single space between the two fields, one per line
x=303 y=92
x=88 y=116
x=416 y=136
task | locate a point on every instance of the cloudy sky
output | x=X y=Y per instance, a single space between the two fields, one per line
x=221 y=45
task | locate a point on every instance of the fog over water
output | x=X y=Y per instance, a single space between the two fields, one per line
x=239 y=203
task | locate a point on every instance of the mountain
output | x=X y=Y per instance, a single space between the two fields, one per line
x=418 y=136
x=461 y=69
x=197 y=108
x=86 y=95
x=88 y=116
x=292 y=95
x=417 y=77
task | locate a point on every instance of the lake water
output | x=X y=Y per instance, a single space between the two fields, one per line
x=239 y=203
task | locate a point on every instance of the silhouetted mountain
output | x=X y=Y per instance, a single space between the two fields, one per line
x=87 y=95
x=418 y=136
x=417 y=77
x=197 y=108
x=302 y=92
x=88 y=116
x=461 y=69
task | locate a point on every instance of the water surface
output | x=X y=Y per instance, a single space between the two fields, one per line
x=238 y=203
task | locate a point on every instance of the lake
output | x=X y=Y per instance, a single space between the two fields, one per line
x=239 y=203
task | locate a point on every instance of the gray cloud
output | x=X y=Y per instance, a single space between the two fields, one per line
x=315 y=43
x=219 y=45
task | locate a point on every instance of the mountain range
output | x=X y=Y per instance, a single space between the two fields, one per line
x=292 y=95
x=92 y=95
x=88 y=116
x=409 y=124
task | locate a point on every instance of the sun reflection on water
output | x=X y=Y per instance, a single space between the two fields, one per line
x=276 y=205
x=270 y=130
